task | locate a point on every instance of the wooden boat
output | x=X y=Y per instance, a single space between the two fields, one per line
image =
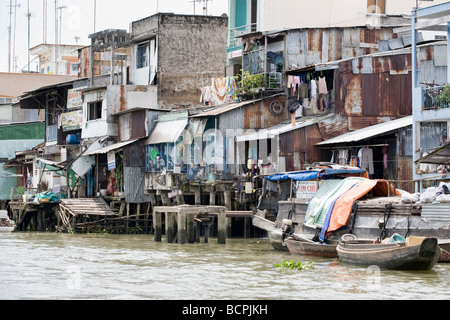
x=445 y=251
x=298 y=245
x=394 y=256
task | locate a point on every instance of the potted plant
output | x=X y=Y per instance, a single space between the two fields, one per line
x=249 y=84
x=20 y=193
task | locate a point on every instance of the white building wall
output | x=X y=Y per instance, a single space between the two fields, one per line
x=288 y=14
x=99 y=127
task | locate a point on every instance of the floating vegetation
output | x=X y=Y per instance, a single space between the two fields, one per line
x=293 y=265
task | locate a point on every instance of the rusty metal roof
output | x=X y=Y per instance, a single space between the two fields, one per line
x=280 y=128
x=369 y=132
x=224 y=108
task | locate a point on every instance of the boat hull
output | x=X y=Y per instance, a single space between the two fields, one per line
x=391 y=256
x=307 y=248
x=445 y=252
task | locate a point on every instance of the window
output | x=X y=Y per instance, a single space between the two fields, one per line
x=142 y=56
x=94 y=110
x=376 y=6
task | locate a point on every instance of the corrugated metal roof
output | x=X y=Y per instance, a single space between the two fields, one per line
x=370 y=132
x=224 y=108
x=271 y=132
x=167 y=131
x=439 y=156
x=112 y=147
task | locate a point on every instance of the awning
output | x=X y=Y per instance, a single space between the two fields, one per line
x=167 y=131
x=109 y=148
x=370 y=132
x=439 y=156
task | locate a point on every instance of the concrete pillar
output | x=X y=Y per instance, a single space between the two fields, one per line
x=170 y=227
x=448 y=52
x=198 y=198
x=222 y=227
x=182 y=232
x=191 y=228
x=157 y=225
x=227 y=196
x=212 y=198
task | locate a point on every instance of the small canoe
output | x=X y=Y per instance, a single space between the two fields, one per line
x=305 y=247
x=394 y=256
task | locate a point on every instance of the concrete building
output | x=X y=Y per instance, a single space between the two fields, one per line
x=430 y=97
x=178 y=54
x=247 y=16
x=57 y=59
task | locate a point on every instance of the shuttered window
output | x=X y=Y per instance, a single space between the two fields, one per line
x=376 y=6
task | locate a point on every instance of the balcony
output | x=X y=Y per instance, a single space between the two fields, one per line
x=268 y=64
x=435 y=98
x=234 y=34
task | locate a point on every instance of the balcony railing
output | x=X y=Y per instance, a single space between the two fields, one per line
x=234 y=33
x=436 y=97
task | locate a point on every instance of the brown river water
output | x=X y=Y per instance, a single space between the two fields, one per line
x=43 y=266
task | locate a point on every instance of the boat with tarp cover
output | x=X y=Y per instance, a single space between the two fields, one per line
x=345 y=201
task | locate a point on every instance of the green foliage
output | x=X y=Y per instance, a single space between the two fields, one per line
x=249 y=83
x=444 y=98
x=293 y=265
x=20 y=190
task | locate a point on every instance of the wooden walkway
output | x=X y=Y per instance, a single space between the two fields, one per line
x=70 y=209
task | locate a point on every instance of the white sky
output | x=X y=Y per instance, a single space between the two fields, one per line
x=78 y=21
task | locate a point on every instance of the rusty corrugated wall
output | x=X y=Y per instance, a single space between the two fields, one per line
x=370 y=90
x=254 y=116
x=134 y=172
x=320 y=45
x=298 y=147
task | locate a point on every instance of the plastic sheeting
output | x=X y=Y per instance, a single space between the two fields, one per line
x=324 y=199
x=343 y=206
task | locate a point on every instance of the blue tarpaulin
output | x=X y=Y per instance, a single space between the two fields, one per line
x=278 y=177
x=312 y=174
x=304 y=176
